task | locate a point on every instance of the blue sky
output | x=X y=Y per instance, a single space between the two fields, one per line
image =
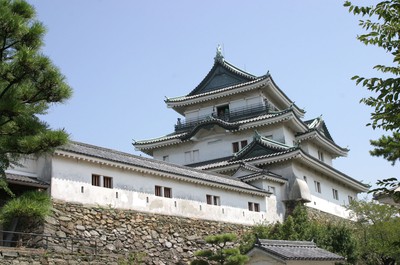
x=123 y=57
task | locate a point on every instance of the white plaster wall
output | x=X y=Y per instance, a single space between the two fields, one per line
x=212 y=144
x=217 y=143
x=71 y=181
x=289 y=135
x=276 y=130
x=26 y=166
x=324 y=201
x=275 y=201
x=312 y=149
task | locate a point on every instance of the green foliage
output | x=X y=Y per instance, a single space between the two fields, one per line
x=378 y=230
x=32 y=205
x=382 y=28
x=221 y=252
x=335 y=237
x=29 y=84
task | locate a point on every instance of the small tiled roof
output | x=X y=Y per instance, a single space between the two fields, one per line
x=187 y=173
x=25 y=180
x=260 y=146
x=288 y=154
x=297 y=250
x=320 y=125
x=231 y=76
x=227 y=79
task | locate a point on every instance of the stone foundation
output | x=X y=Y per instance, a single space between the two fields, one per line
x=121 y=235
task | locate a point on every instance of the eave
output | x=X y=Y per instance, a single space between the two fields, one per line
x=263 y=83
x=324 y=142
x=162 y=171
x=147 y=146
x=285 y=116
x=291 y=154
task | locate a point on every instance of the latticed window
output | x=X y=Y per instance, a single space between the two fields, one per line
x=107 y=182
x=335 y=194
x=95 y=180
x=158 y=191
x=213 y=200
x=168 y=192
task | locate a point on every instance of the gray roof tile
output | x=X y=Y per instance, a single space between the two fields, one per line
x=149 y=163
x=297 y=250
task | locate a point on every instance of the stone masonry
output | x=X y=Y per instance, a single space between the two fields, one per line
x=120 y=236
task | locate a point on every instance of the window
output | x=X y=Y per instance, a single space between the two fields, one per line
x=317 y=185
x=350 y=198
x=158 y=191
x=188 y=156
x=168 y=192
x=253 y=206
x=95 y=180
x=196 y=156
x=223 y=111
x=163 y=191
x=235 y=147
x=192 y=156
x=335 y=194
x=107 y=182
x=321 y=156
x=213 y=200
x=165 y=158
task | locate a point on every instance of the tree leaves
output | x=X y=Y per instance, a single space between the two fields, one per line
x=29 y=83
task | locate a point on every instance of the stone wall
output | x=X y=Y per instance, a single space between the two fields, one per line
x=119 y=235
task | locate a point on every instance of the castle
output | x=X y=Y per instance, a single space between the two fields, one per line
x=241 y=152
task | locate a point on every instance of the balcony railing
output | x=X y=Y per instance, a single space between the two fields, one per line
x=231 y=116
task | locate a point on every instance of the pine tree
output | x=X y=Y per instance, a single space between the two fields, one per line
x=29 y=84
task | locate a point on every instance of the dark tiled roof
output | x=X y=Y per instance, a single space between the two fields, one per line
x=260 y=146
x=297 y=250
x=225 y=124
x=222 y=74
x=187 y=173
x=25 y=180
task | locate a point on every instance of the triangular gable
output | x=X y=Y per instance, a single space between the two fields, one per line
x=222 y=74
x=260 y=146
x=246 y=169
x=320 y=125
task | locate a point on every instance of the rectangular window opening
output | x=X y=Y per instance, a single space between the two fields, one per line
x=107 y=182
x=168 y=192
x=335 y=194
x=223 y=111
x=158 y=191
x=235 y=147
x=213 y=200
x=317 y=185
x=95 y=180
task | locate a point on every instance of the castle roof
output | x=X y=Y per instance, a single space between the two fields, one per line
x=251 y=123
x=124 y=160
x=296 y=250
x=223 y=80
x=280 y=156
